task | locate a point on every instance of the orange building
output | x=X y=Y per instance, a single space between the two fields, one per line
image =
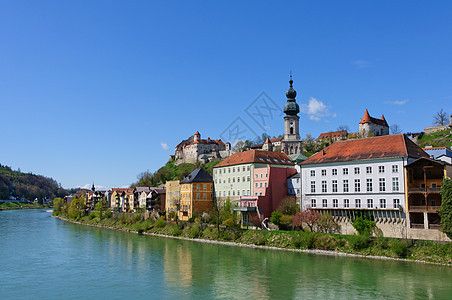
x=196 y=194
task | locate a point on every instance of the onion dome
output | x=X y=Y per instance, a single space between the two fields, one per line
x=291 y=108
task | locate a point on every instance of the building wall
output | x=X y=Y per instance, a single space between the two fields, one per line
x=323 y=173
x=195 y=197
x=172 y=195
x=233 y=181
x=433 y=129
x=377 y=130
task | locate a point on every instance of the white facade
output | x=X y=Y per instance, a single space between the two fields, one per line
x=233 y=181
x=294 y=185
x=363 y=184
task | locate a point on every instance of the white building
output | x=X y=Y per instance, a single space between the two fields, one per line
x=376 y=127
x=365 y=174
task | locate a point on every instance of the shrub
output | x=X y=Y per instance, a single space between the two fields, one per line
x=383 y=243
x=304 y=240
x=123 y=218
x=286 y=222
x=359 y=242
x=160 y=223
x=364 y=226
x=229 y=222
x=326 y=224
x=108 y=214
x=400 y=248
x=276 y=217
x=326 y=242
x=174 y=230
x=289 y=206
x=194 y=232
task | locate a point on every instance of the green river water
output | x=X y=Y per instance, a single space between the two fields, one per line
x=45 y=258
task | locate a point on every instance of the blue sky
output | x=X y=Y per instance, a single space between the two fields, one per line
x=103 y=90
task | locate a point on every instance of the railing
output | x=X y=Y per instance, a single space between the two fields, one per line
x=434 y=226
x=423 y=208
x=423 y=190
x=417 y=226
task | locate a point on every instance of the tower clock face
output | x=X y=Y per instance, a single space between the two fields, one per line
x=291 y=123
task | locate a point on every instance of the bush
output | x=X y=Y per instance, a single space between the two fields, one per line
x=160 y=223
x=194 y=232
x=289 y=207
x=359 y=242
x=326 y=224
x=400 y=248
x=286 y=222
x=304 y=240
x=108 y=214
x=174 y=230
x=276 y=217
x=364 y=226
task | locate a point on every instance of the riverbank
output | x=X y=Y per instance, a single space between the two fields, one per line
x=19 y=205
x=307 y=242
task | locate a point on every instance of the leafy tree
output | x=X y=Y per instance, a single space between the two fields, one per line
x=288 y=206
x=326 y=224
x=57 y=205
x=308 y=216
x=364 y=226
x=440 y=118
x=445 y=211
x=276 y=217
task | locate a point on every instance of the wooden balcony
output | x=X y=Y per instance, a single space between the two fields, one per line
x=423 y=190
x=423 y=208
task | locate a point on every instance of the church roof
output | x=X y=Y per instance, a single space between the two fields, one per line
x=256 y=156
x=388 y=146
x=368 y=119
x=198 y=175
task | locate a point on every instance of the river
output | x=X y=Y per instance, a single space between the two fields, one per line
x=45 y=258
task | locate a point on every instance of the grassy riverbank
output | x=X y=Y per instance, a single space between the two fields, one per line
x=427 y=251
x=18 y=205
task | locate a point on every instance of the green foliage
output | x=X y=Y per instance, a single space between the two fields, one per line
x=303 y=240
x=399 y=247
x=436 y=139
x=108 y=214
x=359 y=242
x=77 y=208
x=276 y=217
x=326 y=224
x=194 y=231
x=289 y=206
x=57 y=205
x=285 y=222
x=160 y=223
x=174 y=229
x=364 y=226
x=445 y=211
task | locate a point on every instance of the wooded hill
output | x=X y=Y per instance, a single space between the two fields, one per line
x=436 y=139
x=28 y=185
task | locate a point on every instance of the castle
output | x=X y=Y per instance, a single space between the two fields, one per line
x=194 y=149
x=375 y=126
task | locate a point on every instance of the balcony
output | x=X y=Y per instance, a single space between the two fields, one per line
x=244 y=205
x=423 y=190
x=423 y=208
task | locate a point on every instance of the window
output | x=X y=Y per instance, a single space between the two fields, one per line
x=312 y=172
x=255 y=194
x=248 y=178
x=198 y=195
x=434 y=185
x=369 y=184
x=238 y=179
x=358 y=203
x=382 y=203
x=357 y=185
x=248 y=192
x=381 y=169
x=323 y=172
x=248 y=168
x=345 y=171
x=396 y=203
x=335 y=203
x=370 y=203
x=257 y=176
x=233 y=170
x=324 y=190
x=260 y=185
x=395 y=169
x=357 y=170
x=204 y=186
x=345 y=186
x=243 y=193
x=324 y=203
x=313 y=203
x=256 y=184
x=197 y=186
x=334 y=172
x=229 y=170
x=312 y=186
x=233 y=193
x=261 y=175
x=395 y=184
x=382 y=185
x=265 y=184
x=204 y=195
x=233 y=179
x=334 y=186
x=243 y=168
x=346 y=203
x=368 y=170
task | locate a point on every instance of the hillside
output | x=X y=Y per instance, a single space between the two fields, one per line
x=28 y=185
x=436 y=139
x=171 y=172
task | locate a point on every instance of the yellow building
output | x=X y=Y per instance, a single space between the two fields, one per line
x=196 y=194
x=172 y=196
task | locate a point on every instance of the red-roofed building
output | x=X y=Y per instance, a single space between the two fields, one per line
x=255 y=180
x=363 y=174
x=194 y=149
x=333 y=135
x=377 y=127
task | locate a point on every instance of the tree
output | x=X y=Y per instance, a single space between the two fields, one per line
x=289 y=206
x=445 y=211
x=395 y=129
x=308 y=217
x=343 y=127
x=309 y=143
x=440 y=118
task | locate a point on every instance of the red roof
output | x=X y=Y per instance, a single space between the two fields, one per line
x=267 y=141
x=256 y=156
x=368 y=119
x=387 y=146
x=197 y=132
x=279 y=139
x=332 y=134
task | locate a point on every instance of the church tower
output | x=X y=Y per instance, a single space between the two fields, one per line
x=291 y=144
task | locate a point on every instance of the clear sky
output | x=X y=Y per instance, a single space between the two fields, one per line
x=104 y=90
